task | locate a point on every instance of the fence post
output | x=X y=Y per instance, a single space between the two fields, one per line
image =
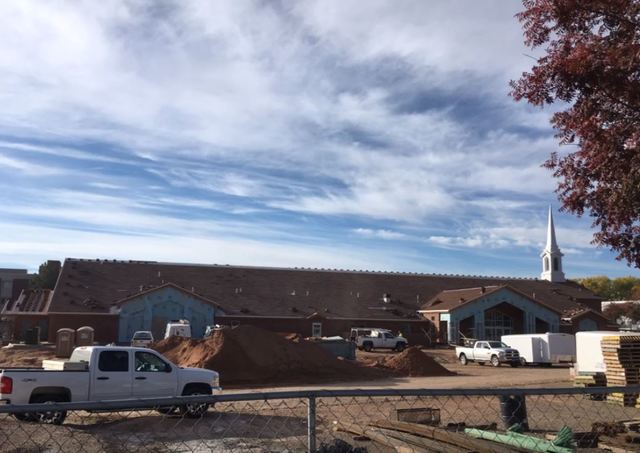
x=311 y=424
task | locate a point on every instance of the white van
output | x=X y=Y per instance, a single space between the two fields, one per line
x=180 y=328
x=543 y=348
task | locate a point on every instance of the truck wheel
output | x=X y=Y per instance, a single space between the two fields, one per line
x=400 y=346
x=495 y=361
x=463 y=359
x=50 y=417
x=24 y=417
x=367 y=347
x=195 y=410
x=523 y=361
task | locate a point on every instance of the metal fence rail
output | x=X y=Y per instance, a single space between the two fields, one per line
x=337 y=421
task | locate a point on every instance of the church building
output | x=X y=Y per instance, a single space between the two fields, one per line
x=117 y=298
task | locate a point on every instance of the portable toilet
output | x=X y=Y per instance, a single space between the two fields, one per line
x=65 y=342
x=32 y=336
x=84 y=336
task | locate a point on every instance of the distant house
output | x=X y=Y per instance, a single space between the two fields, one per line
x=119 y=297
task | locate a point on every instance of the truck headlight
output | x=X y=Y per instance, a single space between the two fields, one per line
x=501 y=354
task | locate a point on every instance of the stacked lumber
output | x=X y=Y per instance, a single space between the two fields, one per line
x=622 y=360
x=587 y=379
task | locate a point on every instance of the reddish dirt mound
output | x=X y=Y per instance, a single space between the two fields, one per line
x=25 y=356
x=249 y=355
x=414 y=362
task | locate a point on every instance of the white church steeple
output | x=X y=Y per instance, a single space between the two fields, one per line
x=551 y=256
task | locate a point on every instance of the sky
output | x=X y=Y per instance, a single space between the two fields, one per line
x=327 y=134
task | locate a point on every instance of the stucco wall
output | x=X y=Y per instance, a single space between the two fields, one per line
x=478 y=307
x=152 y=311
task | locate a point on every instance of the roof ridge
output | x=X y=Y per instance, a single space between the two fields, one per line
x=307 y=269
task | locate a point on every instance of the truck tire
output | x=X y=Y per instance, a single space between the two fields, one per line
x=49 y=417
x=400 y=346
x=195 y=410
x=24 y=417
x=495 y=361
x=463 y=359
x=523 y=361
x=368 y=346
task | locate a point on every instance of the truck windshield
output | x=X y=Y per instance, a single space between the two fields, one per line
x=497 y=344
x=142 y=336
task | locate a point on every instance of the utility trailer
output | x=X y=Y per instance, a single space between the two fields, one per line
x=543 y=348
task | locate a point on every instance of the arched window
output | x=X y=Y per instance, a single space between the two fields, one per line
x=556 y=264
x=546 y=263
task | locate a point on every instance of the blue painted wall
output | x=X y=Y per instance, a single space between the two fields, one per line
x=152 y=311
x=477 y=308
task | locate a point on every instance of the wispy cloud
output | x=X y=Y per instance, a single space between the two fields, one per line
x=283 y=122
x=382 y=234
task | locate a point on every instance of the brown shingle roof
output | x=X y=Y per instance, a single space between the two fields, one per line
x=453 y=298
x=167 y=285
x=93 y=285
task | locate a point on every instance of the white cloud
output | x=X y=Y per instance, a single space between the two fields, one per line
x=396 y=111
x=382 y=234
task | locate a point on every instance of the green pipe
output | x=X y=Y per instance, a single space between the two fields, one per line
x=519 y=440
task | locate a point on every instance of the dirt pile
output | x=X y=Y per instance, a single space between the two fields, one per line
x=413 y=362
x=250 y=355
x=25 y=356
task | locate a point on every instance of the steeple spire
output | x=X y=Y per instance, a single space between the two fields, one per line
x=552 y=245
x=551 y=255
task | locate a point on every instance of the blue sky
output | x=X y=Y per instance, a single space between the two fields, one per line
x=278 y=133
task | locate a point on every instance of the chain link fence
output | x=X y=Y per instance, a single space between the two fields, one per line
x=335 y=421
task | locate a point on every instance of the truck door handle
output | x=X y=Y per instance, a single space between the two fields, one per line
x=102 y=378
x=140 y=378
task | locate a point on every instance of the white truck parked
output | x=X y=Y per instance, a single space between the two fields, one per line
x=101 y=373
x=543 y=348
x=493 y=352
x=381 y=338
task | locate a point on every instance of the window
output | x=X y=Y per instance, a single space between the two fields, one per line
x=546 y=263
x=113 y=361
x=316 y=329
x=145 y=361
x=388 y=335
x=555 y=264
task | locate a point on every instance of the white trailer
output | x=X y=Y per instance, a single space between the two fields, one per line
x=589 y=350
x=543 y=348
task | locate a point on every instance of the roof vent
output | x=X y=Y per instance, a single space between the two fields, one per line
x=462 y=300
x=386 y=298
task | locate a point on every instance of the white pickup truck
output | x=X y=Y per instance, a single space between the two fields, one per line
x=381 y=338
x=101 y=373
x=493 y=352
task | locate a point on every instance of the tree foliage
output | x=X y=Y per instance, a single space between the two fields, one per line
x=47 y=275
x=630 y=310
x=622 y=288
x=591 y=63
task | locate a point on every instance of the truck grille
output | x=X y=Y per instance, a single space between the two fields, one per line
x=512 y=355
